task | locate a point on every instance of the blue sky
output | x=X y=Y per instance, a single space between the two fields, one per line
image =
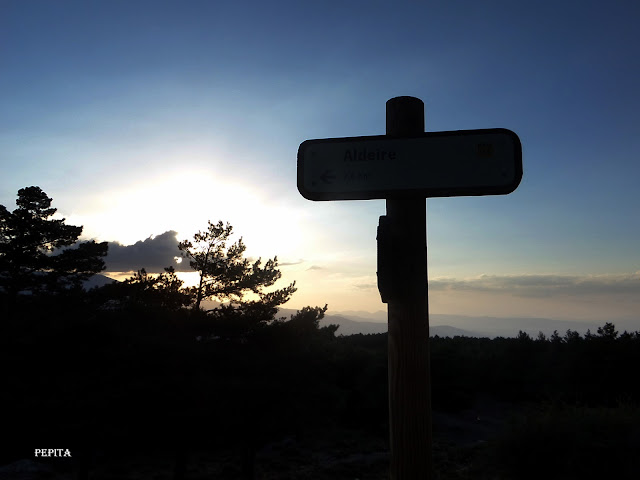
x=142 y=117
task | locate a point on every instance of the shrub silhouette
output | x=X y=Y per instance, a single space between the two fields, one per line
x=559 y=441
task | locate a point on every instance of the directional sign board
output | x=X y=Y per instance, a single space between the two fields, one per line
x=434 y=164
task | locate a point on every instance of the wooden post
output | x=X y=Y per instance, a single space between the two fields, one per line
x=409 y=376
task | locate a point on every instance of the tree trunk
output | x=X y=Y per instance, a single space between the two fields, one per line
x=196 y=306
x=181 y=464
x=12 y=302
x=248 y=460
x=82 y=457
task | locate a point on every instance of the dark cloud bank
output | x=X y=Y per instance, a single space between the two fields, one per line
x=152 y=254
x=545 y=286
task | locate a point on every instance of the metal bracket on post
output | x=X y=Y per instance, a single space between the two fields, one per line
x=385 y=247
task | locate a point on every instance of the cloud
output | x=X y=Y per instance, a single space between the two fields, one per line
x=284 y=264
x=544 y=286
x=366 y=286
x=315 y=267
x=155 y=253
x=152 y=254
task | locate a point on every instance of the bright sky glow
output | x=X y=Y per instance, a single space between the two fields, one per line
x=144 y=117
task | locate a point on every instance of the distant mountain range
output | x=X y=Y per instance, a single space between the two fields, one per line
x=445 y=325
x=97 y=280
x=352 y=322
x=351 y=326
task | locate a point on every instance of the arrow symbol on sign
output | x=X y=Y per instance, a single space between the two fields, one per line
x=327 y=177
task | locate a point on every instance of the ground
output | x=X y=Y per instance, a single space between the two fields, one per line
x=336 y=454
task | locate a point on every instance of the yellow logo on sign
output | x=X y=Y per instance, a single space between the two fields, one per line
x=484 y=150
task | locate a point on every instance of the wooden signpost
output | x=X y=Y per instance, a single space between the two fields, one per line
x=406 y=166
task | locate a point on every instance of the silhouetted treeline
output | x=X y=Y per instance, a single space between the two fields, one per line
x=161 y=361
x=595 y=369
x=145 y=377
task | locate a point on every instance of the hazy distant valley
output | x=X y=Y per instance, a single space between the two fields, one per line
x=443 y=325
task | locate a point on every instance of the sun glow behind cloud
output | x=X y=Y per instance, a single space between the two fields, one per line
x=184 y=199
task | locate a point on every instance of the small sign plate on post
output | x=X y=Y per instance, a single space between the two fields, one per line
x=434 y=164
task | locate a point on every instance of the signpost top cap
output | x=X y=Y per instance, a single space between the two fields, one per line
x=405 y=116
